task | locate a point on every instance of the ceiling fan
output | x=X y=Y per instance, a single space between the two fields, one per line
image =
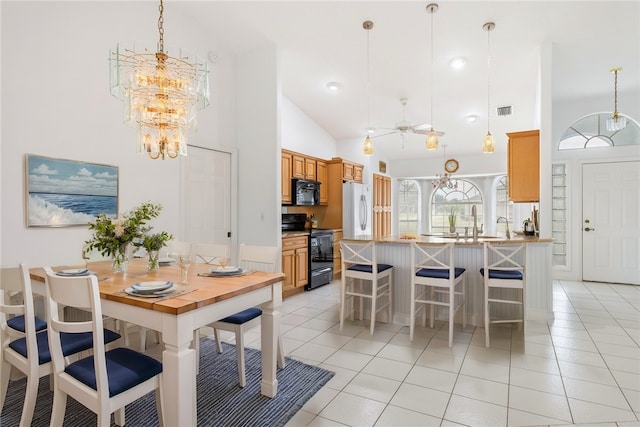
x=405 y=127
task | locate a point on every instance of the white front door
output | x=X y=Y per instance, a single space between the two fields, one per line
x=208 y=199
x=610 y=222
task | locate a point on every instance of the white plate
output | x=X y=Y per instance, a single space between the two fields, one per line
x=156 y=294
x=226 y=270
x=74 y=272
x=149 y=287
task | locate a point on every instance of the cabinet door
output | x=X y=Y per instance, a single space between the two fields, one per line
x=347 y=171
x=302 y=266
x=523 y=166
x=288 y=268
x=381 y=205
x=357 y=173
x=323 y=179
x=337 y=258
x=298 y=167
x=310 y=169
x=286 y=178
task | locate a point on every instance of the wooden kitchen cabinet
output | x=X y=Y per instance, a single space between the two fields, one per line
x=295 y=264
x=285 y=179
x=322 y=176
x=352 y=171
x=303 y=167
x=381 y=205
x=523 y=166
x=337 y=258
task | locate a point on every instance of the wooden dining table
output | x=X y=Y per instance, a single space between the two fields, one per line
x=203 y=300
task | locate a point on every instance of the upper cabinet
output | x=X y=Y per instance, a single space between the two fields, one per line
x=523 y=166
x=351 y=171
x=296 y=165
x=303 y=167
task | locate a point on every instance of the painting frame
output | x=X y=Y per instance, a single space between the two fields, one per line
x=68 y=193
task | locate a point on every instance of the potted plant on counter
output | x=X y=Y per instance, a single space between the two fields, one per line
x=452 y=220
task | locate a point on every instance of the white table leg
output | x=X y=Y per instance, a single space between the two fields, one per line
x=270 y=325
x=178 y=375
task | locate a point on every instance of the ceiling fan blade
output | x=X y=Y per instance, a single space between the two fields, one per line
x=426 y=131
x=384 y=134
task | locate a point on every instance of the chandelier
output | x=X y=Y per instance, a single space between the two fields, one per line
x=367 y=146
x=444 y=180
x=616 y=122
x=161 y=94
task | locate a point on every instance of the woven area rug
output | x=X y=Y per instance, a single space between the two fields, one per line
x=221 y=401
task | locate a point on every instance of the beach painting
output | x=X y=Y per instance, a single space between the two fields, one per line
x=62 y=193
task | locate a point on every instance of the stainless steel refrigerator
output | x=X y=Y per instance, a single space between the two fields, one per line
x=356 y=210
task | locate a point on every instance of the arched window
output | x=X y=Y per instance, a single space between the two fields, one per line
x=458 y=202
x=408 y=207
x=503 y=206
x=590 y=131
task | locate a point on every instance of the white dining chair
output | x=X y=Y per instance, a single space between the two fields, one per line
x=261 y=258
x=360 y=262
x=105 y=381
x=24 y=343
x=504 y=275
x=436 y=282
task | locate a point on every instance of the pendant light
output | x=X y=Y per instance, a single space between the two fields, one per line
x=367 y=146
x=432 y=136
x=616 y=122
x=488 y=143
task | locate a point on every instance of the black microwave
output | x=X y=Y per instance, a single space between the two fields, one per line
x=305 y=192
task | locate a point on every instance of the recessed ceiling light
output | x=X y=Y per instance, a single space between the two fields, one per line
x=471 y=118
x=334 y=86
x=457 y=63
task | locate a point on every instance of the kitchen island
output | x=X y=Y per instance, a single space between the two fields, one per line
x=469 y=255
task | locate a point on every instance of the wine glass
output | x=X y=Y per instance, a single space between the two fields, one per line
x=184 y=261
x=86 y=255
x=223 y=261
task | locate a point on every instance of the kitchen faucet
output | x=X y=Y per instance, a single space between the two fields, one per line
x=475 y=222
x=506 y=221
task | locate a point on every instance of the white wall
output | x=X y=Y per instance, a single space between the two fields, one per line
x=301 y=134
x=56 y=103
x=259 y=147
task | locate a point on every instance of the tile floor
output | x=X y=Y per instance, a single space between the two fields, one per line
x=581 y=368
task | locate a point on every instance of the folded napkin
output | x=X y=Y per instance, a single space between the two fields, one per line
x=151 y=287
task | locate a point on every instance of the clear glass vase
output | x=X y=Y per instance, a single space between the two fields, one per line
x=121 y=259
x=152 y=260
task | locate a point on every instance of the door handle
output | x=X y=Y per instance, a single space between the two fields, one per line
x=589 y=229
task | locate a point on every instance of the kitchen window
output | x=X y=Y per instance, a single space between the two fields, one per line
x=459 y=200
x=408 y=207
x=503 y=206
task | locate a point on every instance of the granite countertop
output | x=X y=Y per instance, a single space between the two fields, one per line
x=459 y=241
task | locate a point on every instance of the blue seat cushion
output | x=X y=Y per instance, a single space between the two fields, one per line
x=18 y=324
x=126 y=369
x=503 y=274
x=71 y=344
x=438 y=273
x=369 y=268
x=243 y=316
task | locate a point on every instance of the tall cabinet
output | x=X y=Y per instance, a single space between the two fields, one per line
x=381 y=205
x=523 y=166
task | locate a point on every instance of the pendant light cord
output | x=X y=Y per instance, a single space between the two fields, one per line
x=489 y=78
x=431 y=76
x=368 y=82
x=161 y=28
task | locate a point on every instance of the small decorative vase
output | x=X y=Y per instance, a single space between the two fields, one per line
x=152 y=261
x=452 y=229
x=121 y=259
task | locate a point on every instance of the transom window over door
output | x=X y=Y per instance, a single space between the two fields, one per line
x=457 y=201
